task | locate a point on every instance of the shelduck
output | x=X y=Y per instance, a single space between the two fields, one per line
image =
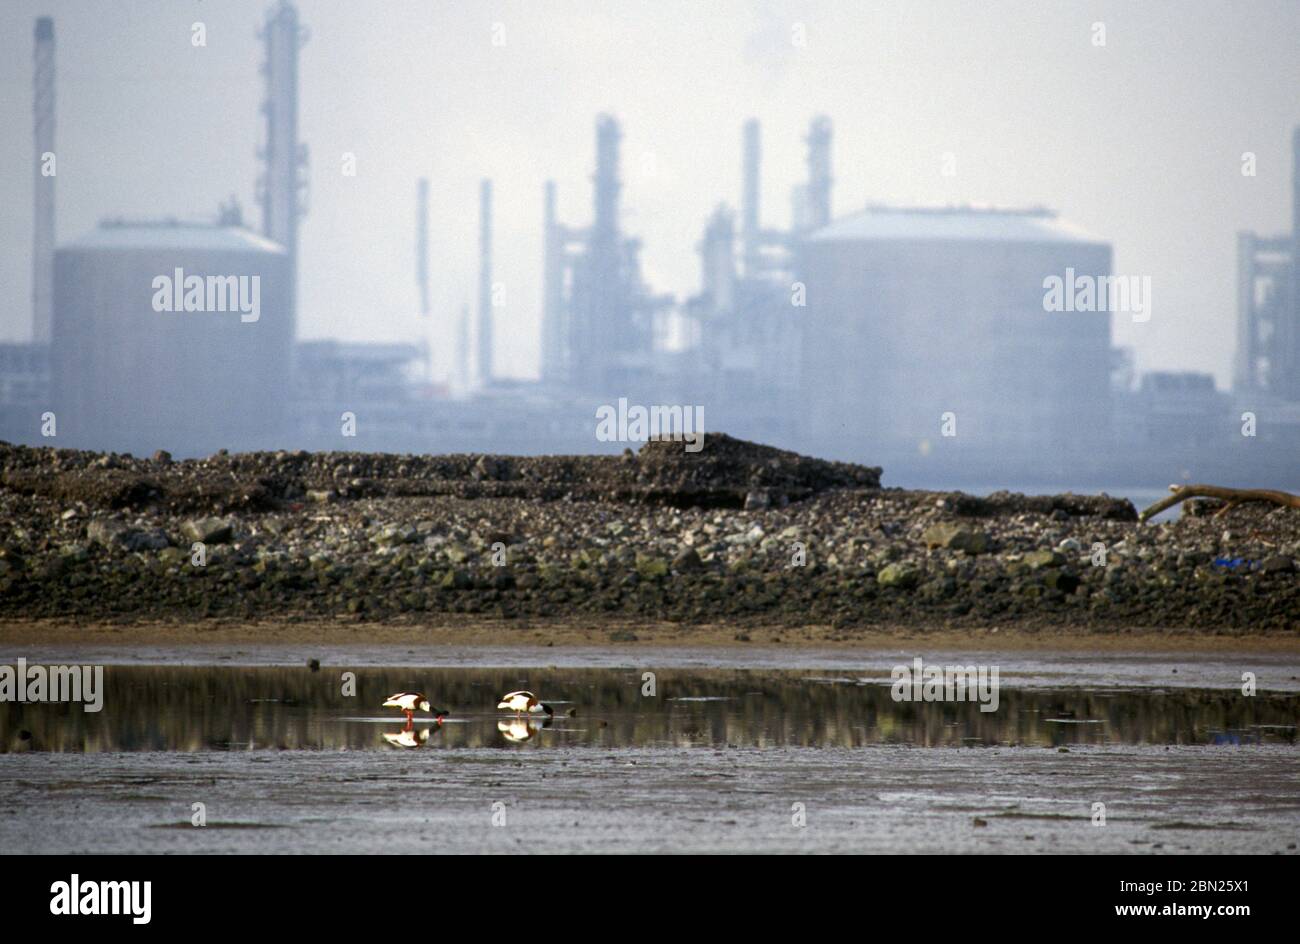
x=521 y=702
x=411 y=702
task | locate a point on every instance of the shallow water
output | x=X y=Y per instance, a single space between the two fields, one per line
x=225 y=708
x=280 y=760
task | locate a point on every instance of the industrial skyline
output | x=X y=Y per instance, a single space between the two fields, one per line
x=859 y=333
x=1144 y=177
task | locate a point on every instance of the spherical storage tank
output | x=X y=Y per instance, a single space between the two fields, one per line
x=171 y=336
x=915 y=315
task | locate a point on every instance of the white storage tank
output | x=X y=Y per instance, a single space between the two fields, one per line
x=170 y=335
x=917 y=313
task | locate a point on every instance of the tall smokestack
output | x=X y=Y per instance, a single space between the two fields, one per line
x=607 y=184
x=1287 y=371
x=422 y=243
x=485 y=283
x=602 y=320
x=282 y=185
x=819 y=172
x=43 y=226
x=1295 y=186
x=718 y=253
x=462 y=378
x=552 y=291
x=749 y=203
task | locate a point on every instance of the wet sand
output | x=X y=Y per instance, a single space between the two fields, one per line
x=875 y=799
x=1025 y=659
x=471 y=631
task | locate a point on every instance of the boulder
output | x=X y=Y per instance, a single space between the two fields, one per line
x=207 y=530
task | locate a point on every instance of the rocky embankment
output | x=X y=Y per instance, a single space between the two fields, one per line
x=735 y=533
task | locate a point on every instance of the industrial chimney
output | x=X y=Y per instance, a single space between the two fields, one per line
x=602 y=317
x=484 y=334
x=749 y=203
x=552 y=291
x=422 y=243
x=43 y=227
x=1288 y=344
x=282 y=185
x=819 y=172
x=462 y=378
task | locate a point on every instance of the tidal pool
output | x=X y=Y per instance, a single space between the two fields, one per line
x=228 y=708
x=275 y=759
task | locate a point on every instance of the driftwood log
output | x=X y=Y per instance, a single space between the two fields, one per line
x=1233 y=497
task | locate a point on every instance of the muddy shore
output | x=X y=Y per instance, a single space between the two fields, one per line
x=874 y=799
x=735 y=543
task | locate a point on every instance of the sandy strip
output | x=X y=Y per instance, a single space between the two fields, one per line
x=468 y=631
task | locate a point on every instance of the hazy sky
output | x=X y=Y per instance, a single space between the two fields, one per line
x=1139 y=142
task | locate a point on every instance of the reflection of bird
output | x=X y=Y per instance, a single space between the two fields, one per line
x=408 y=737
x=411 y=702
x=520 y=702
x=518 y=730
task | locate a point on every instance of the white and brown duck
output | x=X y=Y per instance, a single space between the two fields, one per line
x=524 y=703
x=411 y=702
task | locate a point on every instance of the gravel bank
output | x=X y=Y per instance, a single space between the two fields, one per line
x=737 y=533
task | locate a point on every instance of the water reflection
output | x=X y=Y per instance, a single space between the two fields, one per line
x=410 y=736
x=519 y=730
x=225 y=708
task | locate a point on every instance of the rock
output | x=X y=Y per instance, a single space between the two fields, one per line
x=1069 y=546
x=162 y=457
x=650 y=567
x=207 y=530
x=321 y=496
x=490 y=469
x=757 y=500
x=154 y=539
x=109 y=532
x=898 y=575
x=1278 y=564
x=1062 y=580
x=457 y=580
x=394 y=535
x=171 y=556
x=688 y=561
x=956 y=538
x=1036 y=560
